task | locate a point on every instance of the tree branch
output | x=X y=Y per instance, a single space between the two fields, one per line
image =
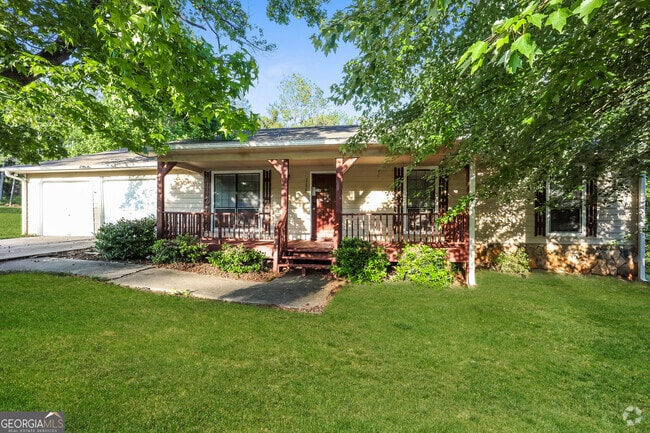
x=57 y=57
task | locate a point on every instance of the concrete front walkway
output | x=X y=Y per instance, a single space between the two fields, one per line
x=291 y=291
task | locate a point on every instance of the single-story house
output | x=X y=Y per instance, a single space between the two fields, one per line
x=292 y=193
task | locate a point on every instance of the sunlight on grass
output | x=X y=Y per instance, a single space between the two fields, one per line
x=9 y=222
x=549 y=353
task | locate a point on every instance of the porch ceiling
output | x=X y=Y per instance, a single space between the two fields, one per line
x=320 y=156
x=246 y=153
x=201 y=166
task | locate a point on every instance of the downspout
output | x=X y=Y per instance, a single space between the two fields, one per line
x=23 y=200
x=471 y=260
x=642 y=224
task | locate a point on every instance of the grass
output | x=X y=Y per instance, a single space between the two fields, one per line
x=545 y=354
x=10 y=222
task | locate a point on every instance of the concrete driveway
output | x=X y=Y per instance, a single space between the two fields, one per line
x=39 y=246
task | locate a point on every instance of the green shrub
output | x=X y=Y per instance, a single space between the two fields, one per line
x=165 y=251
x=237 y=259
x=126 y=239
x=184 y=248
x=512 y=263
x=422 y=264
x=358 y=261
x=191 y=249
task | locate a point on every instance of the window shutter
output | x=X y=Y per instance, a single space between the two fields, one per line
x=540 y=212
x=443 y=194
x=592 y=208
x=266 y=201
x=207 y=191
x=398 y=186
x=266 y=191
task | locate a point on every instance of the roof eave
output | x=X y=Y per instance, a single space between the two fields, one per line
x=42 y=169
x=228 y=145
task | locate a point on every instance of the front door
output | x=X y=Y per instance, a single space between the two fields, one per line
x=323 y=204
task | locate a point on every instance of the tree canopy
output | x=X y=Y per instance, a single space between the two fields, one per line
x=130 y=71
x=534 y=90
x=302 y=103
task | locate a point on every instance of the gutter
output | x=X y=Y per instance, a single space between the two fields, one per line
x=13 y=176
x=83 y=168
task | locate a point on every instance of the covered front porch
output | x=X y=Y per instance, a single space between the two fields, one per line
x=297 y=199
x=257 y=231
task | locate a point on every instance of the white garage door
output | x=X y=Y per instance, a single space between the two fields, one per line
x=129 y=199
x=67 y=209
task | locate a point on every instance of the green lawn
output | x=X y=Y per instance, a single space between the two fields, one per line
x=9 y=222
x=545 y=354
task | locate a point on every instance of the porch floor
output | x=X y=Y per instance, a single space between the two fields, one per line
x=310 y=246
x=264 y=245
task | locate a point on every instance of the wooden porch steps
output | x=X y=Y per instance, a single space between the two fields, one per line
x=305 y=255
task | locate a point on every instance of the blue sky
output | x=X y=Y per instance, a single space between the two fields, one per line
x=294 y=54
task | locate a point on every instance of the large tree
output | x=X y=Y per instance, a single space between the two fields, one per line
x=302 y=103
x=533 y=89
x=67 y=64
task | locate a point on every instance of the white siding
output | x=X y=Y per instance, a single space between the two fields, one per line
x=299 y=199
x=129 y=198
x=502 y=223
x=368 y=189
x=183 y=191
x=514 y=222
x=457 y=187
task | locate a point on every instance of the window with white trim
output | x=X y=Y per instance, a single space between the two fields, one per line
x=237 y=192
x=421 y=191
x=421 y=202
x=566 y=213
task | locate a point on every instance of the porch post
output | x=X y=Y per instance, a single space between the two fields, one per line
x=207 y=229
x=341 y=168
x=281 y=239
x=163 y=169
x=471 y=256
x=642 y=222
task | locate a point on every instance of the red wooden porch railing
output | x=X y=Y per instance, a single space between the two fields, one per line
x=244 y=226
x=373 y=227
x=405 y=227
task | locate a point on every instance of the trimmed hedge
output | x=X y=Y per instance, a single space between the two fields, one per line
x=359 y=262
x=184 y=248
x=422 y=264
x=126 y=239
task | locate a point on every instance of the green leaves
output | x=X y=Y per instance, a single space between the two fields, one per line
x=532 y=88
x=474 y=55
x=538 y=15
x=557 y=19
x=526 y=47
x=586 y=9
x=67 y=64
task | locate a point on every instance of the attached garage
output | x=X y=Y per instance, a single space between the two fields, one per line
x=65 y=217
x=75 y=196
x=130 y=198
